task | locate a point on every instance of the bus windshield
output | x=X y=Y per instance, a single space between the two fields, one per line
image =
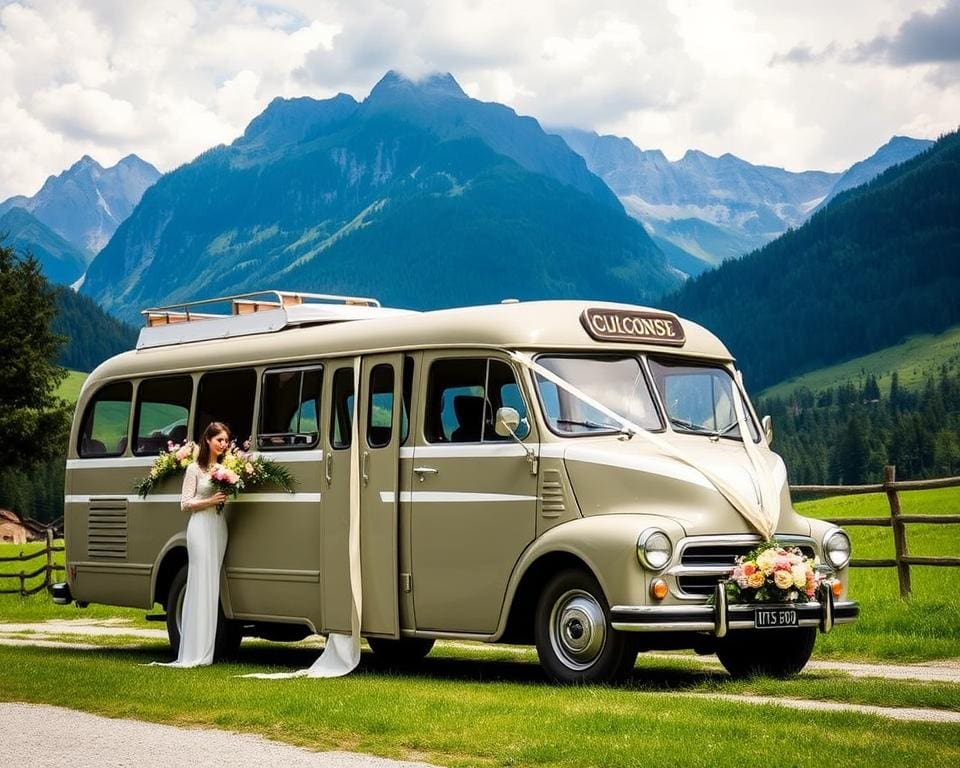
x=699 y=399
x=617 y=383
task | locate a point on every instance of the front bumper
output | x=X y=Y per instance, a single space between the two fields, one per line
x=719 y=617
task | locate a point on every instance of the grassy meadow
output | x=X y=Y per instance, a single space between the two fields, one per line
x=69 y=388
x=928 y=626
x=915 y=360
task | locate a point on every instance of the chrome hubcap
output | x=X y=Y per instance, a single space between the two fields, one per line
x=578 y=630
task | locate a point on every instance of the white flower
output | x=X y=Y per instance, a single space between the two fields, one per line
x=783 y=579
x=799 y=576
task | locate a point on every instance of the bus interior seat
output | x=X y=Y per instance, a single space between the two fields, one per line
x=178 y=434
x=91 y=447
x=469 y=412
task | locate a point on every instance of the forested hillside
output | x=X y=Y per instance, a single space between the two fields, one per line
x=91 y=334
x=847 y=434
x=878 y=264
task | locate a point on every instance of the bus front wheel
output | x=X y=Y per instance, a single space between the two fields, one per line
x=575 y=641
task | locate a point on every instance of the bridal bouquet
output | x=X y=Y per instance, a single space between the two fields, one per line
x=239 y=470
x=772 y=573
x=170 y=462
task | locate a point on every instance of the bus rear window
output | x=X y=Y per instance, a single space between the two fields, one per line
x=105 y=424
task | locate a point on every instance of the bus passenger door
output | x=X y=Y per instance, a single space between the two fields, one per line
x=337 y=429
x=381 y=407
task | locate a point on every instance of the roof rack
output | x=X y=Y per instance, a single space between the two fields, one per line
x=247 y=314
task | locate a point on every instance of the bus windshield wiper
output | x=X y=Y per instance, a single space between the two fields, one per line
x=690 y=426
x=628 y=433
x=588 y=424
x=726 y=430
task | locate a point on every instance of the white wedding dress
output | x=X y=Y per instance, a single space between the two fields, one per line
x=206 y=545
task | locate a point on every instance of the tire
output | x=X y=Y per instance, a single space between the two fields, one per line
x=229 y=633
x=575 y=641
x=402 y=652
x=779 y=653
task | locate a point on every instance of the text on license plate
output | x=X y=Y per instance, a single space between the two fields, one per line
x=775 y=617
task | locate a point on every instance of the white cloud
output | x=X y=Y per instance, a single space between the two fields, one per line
x=763 y=81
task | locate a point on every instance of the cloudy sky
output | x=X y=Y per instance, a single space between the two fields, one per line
x=819 y=84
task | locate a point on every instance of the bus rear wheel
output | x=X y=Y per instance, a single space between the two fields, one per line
x=229 y=633
x=405 y=651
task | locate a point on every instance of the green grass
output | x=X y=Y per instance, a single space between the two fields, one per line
x=928 y=626
x=455 y=712
x=915 y=360
x=69 y=388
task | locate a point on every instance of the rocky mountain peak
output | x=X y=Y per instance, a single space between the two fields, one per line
x=436 y=84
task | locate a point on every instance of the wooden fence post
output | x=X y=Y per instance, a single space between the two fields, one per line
x=48 y=579
x=899 y=532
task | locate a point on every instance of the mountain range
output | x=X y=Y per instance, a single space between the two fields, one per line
x=85 y=204
x=702 y=210
x=61 y=262
x=878 y=264
x=418 y=195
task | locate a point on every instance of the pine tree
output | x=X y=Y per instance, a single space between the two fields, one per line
x=33 y=420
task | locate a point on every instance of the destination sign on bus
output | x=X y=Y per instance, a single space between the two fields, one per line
x=633 y=326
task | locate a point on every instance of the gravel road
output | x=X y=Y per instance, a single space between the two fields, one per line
x=54 y=737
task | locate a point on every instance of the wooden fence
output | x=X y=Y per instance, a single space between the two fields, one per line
x=902 y=559
x=49 y=569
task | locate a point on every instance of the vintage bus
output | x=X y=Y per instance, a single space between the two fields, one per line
x=555 y=473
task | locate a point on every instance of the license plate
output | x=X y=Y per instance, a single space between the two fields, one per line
x=764 y=618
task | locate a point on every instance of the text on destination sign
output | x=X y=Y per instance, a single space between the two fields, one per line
x=627 y=325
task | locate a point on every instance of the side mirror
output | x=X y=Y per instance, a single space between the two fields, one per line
x=767 y=423
x=507 y=422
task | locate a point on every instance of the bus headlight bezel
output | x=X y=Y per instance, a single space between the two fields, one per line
x=837 y=548
x=654 y=549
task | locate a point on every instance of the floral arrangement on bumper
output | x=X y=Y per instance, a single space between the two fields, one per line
x=772 y=573
x=238 y=470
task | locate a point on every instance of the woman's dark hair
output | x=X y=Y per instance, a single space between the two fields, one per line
x=212 y=430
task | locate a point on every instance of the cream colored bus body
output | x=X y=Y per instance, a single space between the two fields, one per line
x=457 y=538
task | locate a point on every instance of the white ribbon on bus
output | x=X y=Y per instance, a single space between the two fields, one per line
x=341 y=654
x=762 y=513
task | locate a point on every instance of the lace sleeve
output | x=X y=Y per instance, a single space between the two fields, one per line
x=188 y=495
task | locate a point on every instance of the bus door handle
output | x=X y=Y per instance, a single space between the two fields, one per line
x=422 y=472
x=363 y=467
x=328 y=467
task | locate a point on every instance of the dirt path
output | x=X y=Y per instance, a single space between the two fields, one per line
x=54 y=737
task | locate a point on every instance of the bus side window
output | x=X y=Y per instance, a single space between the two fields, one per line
x=289 y=411
x=455 y=403
x=380 y=406
x=407 y=399
x=105 y=424
x=163 y=410
x=503 y=391
x=341 y=412
x=227 y=396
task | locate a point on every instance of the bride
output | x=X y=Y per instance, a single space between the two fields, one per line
x=206 y=544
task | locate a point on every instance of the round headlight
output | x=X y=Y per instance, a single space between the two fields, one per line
x=836 y=548
x=654 y=549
